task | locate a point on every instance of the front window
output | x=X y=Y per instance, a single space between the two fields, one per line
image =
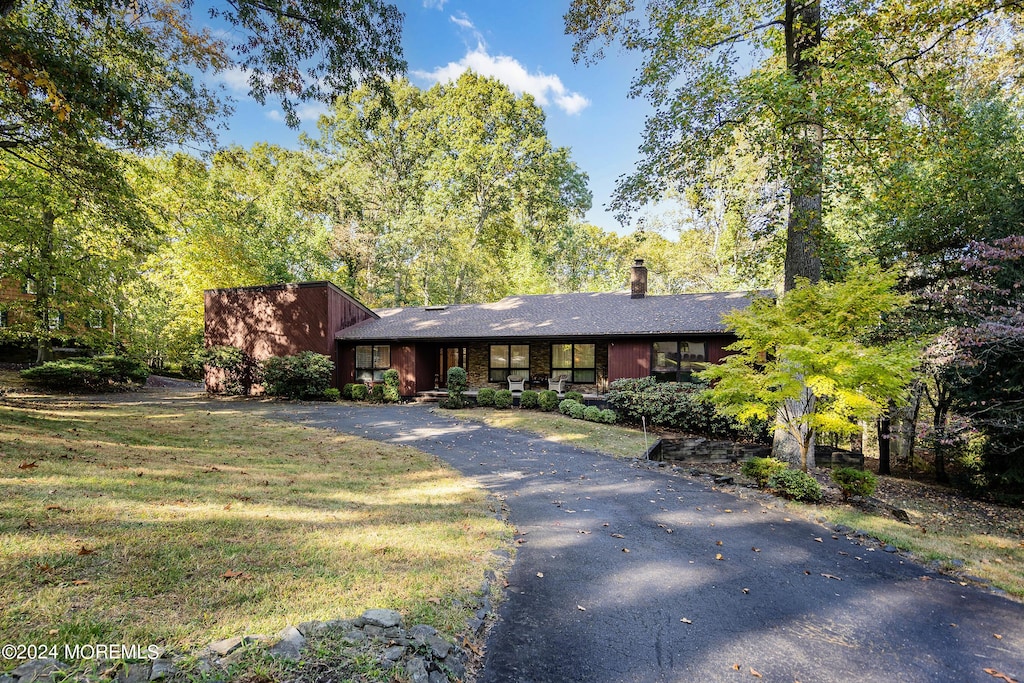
x=674 y=361
x=509 y=360
x=371 y=362
x=575 y=361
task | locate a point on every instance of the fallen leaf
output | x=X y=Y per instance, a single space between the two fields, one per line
x=540 y=575
x=435 y=601
x=581 y=608
x=43 y=568
x=925 y=578
x=1000 y=676
x=617 y=536
x=829 y=576
x=997 y=636
x=818 y=540
x=582 y=531
x=736 y=667
x=755 y=673
x=231 y=574
x=727 y=510
x=80 y=582
x=687 y=621
x=718 y=556
x=26 y=465
x=718 y=543
x=756 y=550
x=746 y=591
x=625 y=550
x=605 y=524
x=86 y=551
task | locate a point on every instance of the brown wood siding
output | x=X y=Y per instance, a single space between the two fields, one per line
x=346 y=364
x=716 y=348
x=628 y=359
x=403 y=359
x=426 y=367
x=279 y=320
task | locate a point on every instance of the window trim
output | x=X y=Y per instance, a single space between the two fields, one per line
x=682 y=374
x=570 y=372
x=509 y=369
x=374 y=373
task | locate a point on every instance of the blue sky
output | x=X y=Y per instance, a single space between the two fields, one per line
x=521 y=42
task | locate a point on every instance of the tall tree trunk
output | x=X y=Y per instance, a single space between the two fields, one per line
x=905 y=430
x=884 y=429
x=44 y=281
x=803 y=34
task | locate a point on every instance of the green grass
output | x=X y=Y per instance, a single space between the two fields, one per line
x=609 y=439
x=174 y=526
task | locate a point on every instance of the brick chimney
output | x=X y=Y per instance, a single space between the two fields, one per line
x=638 y=280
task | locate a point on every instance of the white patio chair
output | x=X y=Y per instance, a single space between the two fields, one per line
x=516 y=383
x=557 y=384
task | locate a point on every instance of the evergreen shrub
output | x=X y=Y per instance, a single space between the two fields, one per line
x=485 y=397
x=503 y=399
x=305 y=375
x=795 y=485
x=529 y=399
x=548 y=400
x=854 y=482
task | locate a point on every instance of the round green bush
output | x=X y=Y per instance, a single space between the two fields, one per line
x=346 y=391
x=360 y=392
x=762 y=469
x=377 y=393
x=592 y=414
x=391 y=377
x=577 y=410
x=304 y=375
x=854 y=482
x=529 y=399
x=548 y=400
x=485 y=397
x=574 y=396
x=103 y=373
x=331 y=394
x=457 y=381
x=609 y=417
x=564 y=405
x=503 y=399
x=795 y=485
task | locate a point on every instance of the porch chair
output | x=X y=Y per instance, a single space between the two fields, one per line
x=557 y=384
x=516 y=383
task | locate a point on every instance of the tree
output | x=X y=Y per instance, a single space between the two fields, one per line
x=814 y=338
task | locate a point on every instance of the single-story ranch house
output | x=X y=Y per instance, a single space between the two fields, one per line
x=589 y=339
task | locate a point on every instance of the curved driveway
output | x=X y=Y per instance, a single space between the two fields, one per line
x=629 y=573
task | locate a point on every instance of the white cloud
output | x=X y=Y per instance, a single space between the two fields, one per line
x=435 y=4
x=545 y=88
x=235 y=79
x=275 y=115
x=307 y=111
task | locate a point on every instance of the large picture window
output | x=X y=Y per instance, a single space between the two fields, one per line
x=676 y=361
x=575 y=361
x=371 y=362
x=509 y=360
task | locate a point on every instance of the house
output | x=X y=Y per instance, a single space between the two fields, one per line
x=589 y=338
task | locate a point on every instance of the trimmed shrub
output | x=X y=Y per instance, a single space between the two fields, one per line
x=456 y=385
x=609 y=417
x=564 y=405
x=592 y=414
x=762 y=469
x=485 y=397
x=346 y=391
x=377 y=393
x=676 y=405
x=392 y=393
x=304 y=375
x=331 y=394
x=574 y=396
x=529 y=399
x=241 y=371
x=577 y=410
x=360 y=392
x=503 y=399
x=103 y=373
x=548 y=400
x=854 y=482
x=795 y=485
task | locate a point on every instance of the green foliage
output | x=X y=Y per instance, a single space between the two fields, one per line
x=103 y=373
x=377 y=393
x=457 y=383
x=814 y=341
x=592 y=414
x=360 y=392
x=796 y=485
x=503 y=399
x=572 y=408
x=529 y=399
x=674 y=405
x=346 y=391
x=762 y=469
x=609 y=417
x=241 y=371
x=392 y=392
x=331 y=394
x=574 y=396
x=854 y=482
x=305 y=375
x=548 y=400
x=485 y=397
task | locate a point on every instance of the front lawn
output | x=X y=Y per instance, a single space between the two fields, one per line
x=173 y=525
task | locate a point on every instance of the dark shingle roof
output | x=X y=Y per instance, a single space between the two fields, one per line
x=554 y=315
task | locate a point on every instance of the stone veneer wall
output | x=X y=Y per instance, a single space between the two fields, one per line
x=540 y=365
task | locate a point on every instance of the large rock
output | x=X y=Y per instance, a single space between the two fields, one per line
x=289 y=645
x=37 y=670
x=384 y=618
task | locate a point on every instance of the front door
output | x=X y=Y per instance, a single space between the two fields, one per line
x=450 y=357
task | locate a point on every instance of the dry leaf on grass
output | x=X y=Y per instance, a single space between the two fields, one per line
x=27 y=465
x=80 y=582
x=999 y=675
x=232 y=574
x=755 y=673
x=86 y=551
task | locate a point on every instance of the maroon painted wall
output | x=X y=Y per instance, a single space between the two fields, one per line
x=403 y=359
x=628 y=359
x=279 y=320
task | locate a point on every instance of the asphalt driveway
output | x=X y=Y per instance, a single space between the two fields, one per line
x=626 y=572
